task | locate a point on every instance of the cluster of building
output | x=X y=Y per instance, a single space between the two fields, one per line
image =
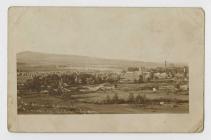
x=145 y=75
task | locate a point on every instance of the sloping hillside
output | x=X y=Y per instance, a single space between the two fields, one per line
x=35 y=59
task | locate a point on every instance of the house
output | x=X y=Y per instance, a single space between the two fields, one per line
x=160 y=75
x=184 y=87
x=129 y=77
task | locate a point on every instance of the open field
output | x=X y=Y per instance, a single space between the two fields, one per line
x=95 y=102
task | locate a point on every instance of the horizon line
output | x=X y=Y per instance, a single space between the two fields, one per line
x=120 y=59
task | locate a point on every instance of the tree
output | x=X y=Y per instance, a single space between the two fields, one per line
x=108 y=99
x=115 y=98
x=138 y=99
x=141 y=79
x=131 y=98
x=143 y=99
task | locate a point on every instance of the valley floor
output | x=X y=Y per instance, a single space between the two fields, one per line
x=113 y=101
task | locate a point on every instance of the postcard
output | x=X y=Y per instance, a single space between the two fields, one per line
x=105 y=69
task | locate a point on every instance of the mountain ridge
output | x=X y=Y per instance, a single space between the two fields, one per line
x=44 y=59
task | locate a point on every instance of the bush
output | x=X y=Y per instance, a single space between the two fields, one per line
x=140 y=99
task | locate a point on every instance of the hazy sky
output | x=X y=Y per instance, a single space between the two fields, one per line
x=144 y=34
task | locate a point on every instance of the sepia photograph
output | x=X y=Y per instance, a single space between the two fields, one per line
x=74 y=84
x=106 y=61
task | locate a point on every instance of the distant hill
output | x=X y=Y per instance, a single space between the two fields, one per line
x=37 y=60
